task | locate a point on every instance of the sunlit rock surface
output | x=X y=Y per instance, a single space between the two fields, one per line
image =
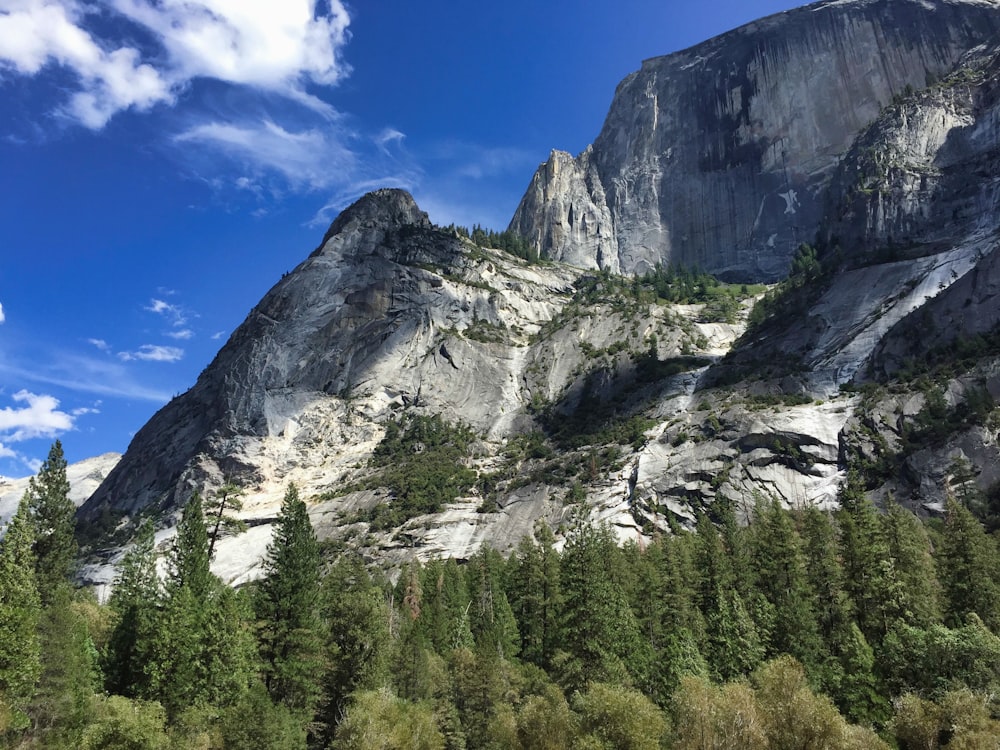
x=718 y=156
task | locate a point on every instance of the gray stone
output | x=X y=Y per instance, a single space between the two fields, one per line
x=718 y=156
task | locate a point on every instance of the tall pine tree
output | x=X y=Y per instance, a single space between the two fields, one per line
x=52 y=513
x=287 y=605
x=135 y=602
x=967 y=563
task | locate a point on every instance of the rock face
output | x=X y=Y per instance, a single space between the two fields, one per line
x=719 y=156
x=589 y=395
x=84 y=477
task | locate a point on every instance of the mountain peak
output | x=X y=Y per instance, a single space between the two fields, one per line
x=387 y=208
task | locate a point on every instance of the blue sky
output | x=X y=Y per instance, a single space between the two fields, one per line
x=163 y=162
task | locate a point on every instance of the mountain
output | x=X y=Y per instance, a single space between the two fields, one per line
x=84 y=478
x=719 y=156
x=430 y=394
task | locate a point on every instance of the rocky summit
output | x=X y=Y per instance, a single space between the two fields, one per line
x=430 y=392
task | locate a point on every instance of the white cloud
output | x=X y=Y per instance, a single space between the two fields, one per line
x=182 y=335
x=36 y=33
x=40 y=418
x=2 y=316
x=311 y=158
x=218 y=335
x=277 y=46
x=153 y=353
x=101 y=344
x=173 y=313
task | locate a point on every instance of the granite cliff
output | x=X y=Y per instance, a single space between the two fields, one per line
x=554 y=390
x=720 y=156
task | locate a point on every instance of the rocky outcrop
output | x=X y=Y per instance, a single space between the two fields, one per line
x=719 y=156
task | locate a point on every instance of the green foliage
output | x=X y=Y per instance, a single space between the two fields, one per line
x=599 y=632
x=935 y=659
x=135 y=602
x=357 y=643
x=508 y=240
x=287 y=605
x=377 y=720
x=421 y=461
x=20 y=610
x=53 y=516
x=967 y=565
x=793 y=296
x=619 y=717
x=201 y=651
x=223 y=502
x=123 y=724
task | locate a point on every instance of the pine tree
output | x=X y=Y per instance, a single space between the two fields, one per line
x=225 y=500
x=52 y=514
x=20 y=609
x=492 y=621
x=536 y=596
x=733 y=645
x=202 y=649
x=189 y=562
x=870 y=577
x=62 y=703
x=288 y=608
x=781 y=571
x=967 y=565
x=600 y=633
x=357 y=646
x=135 y=601
x=910 y=550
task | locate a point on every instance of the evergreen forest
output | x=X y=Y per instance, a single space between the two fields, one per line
x=765 y=628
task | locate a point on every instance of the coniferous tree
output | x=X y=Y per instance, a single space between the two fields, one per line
x=135 y=601
x=357 y=648
x=492 y=621
x=202 y=650
x=910 y=550
x=967 y=565
x=288 y=609
x=224 y=501
x=733 y=645
x=781 y=570
x=536 y=595
x=20 y=609
x=600 y=633
x=70 y=677
x=870 y=578
x=52 y=514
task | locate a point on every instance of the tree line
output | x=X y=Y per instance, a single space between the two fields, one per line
x=793 y=629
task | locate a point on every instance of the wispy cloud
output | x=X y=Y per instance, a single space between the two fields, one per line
x=173 y=313
x=101 y=344
x=309 y=158
x=153 y=353
x=279 y=47
x=182 y=335
x=101 y=376
x=217 y=335
x=2 y=316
